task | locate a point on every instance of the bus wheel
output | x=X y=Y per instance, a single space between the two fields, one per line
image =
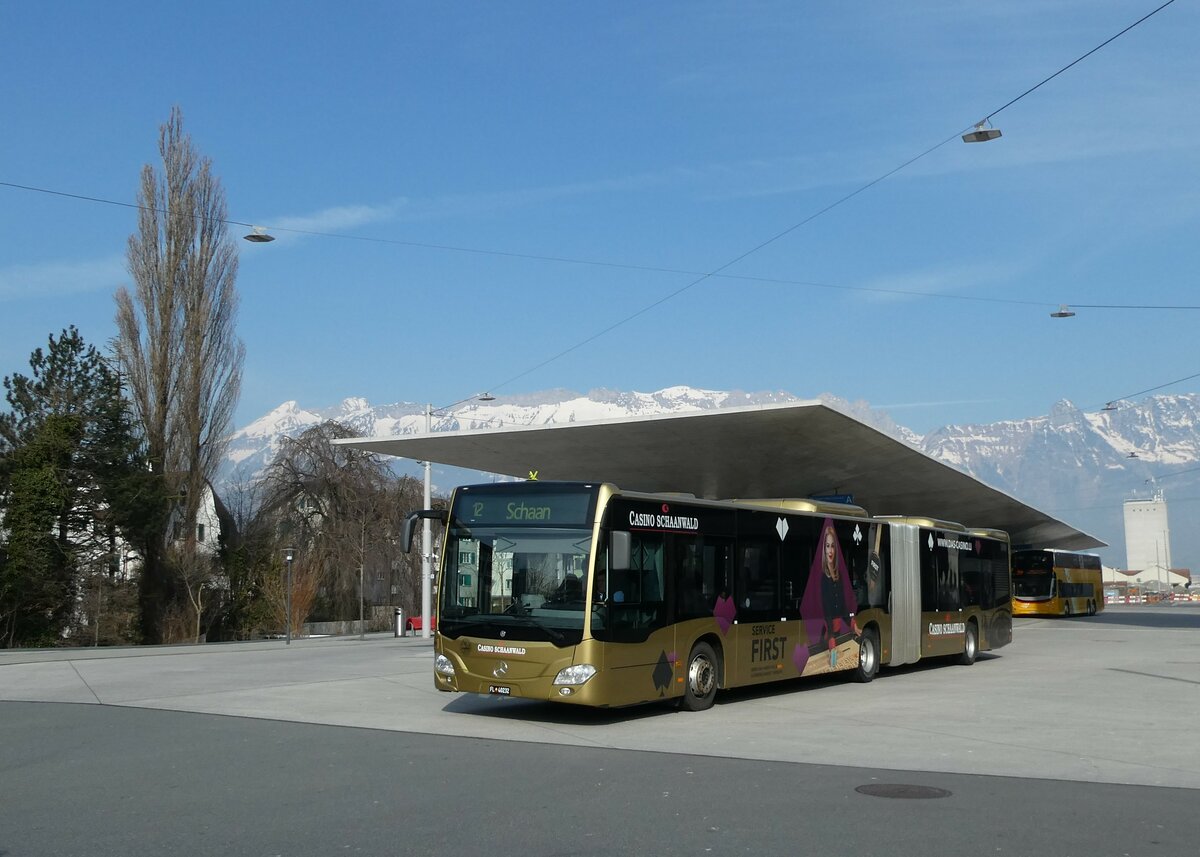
x=868 y=656
x=700 y=687
x=970 y=645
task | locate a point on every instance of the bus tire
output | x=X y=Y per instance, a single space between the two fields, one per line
x=700 y=683
x=868 y=656
x=970 y=645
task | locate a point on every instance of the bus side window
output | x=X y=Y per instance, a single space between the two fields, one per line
x=692 y=577
x=796 y=557
x=930 y=561
x=949 y=583
x=877 y=584
x=866 y=559
x=855 y=552
x=620 y=586
x=640 y=607
x=758 y=579
x=969 y=568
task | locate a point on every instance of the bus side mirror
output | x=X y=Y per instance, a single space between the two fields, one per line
x=619 y=550
x=406 y=534
x=410 y=525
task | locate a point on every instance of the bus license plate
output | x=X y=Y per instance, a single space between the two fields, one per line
x=502 y=689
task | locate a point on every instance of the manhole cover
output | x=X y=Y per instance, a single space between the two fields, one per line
x=902 y=791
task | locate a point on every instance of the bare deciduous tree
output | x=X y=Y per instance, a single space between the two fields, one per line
x=176 y=341
x=306 y=582
x=343 y=509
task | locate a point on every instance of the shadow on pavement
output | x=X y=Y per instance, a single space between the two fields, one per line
x=536 y=711
x=1162 y=617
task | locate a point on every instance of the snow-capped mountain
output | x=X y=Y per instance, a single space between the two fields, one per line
x=1081 y=467
x=1077 y=466
x=252 y=448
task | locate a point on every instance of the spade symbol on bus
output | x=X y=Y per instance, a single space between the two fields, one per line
x=663 y=674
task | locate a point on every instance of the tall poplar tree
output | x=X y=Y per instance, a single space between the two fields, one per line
x=177 y=343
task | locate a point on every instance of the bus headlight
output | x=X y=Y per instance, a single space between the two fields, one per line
x=575 y=675
x=442 y=665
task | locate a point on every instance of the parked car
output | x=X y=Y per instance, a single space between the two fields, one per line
x=414 y=624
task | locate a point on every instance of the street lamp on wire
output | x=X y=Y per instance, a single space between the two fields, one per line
x=259 y=235
x=983 y=132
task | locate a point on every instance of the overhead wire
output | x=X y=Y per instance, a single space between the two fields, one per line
x=1152 y=389
x=600 y=263
x=1133 y=306
x=700 y=277
x=1078 y=60
x=603 y=263
x=1170 y=475
x=816 y=214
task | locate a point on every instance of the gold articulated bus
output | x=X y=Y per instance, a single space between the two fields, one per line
x=1056 y=583
x=587 y=594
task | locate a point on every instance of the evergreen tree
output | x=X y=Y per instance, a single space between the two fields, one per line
x=37 y=590
x=73 y=482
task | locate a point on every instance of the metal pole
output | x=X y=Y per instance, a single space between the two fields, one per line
x=289 y=600
x=426 y=537
x=1167 y=558
x=362 y=559
x=1158 y=565
x=99 y=591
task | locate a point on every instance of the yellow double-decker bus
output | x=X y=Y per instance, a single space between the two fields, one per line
x=587 y=594
x=1056 y=583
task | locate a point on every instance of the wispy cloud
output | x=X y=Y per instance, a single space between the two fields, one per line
x=57 y=279
x=336 y=219
x=963 y=281
x=344 y=218
x=485 y=202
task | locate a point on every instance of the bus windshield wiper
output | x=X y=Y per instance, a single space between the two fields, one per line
x=531 y=622
x=499 y=619
x=465 y=627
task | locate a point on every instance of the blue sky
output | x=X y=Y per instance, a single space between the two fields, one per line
x=671 y=135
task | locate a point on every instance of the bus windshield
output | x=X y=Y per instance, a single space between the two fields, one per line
x=515 y=583
x=1033 y=583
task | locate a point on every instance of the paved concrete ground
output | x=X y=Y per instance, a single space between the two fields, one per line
x=104 y=781
x=135 y=752
x=1108 y=699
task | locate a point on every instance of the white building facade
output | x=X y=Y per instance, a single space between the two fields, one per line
x=1147 y=536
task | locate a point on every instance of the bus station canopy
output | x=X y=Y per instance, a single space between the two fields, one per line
x=794 y=450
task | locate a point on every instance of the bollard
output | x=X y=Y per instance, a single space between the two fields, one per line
x=398 y=628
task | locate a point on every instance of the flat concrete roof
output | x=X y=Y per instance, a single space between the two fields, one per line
x=799 y=450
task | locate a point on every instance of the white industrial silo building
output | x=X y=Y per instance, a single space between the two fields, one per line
x=1148 y=539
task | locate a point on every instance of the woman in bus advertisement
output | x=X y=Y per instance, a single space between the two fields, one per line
x=827 y=608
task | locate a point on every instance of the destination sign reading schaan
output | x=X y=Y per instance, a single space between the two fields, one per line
x=536 y=508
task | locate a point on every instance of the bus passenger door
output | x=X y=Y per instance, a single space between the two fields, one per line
x=756 y=646
x=641 y=648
